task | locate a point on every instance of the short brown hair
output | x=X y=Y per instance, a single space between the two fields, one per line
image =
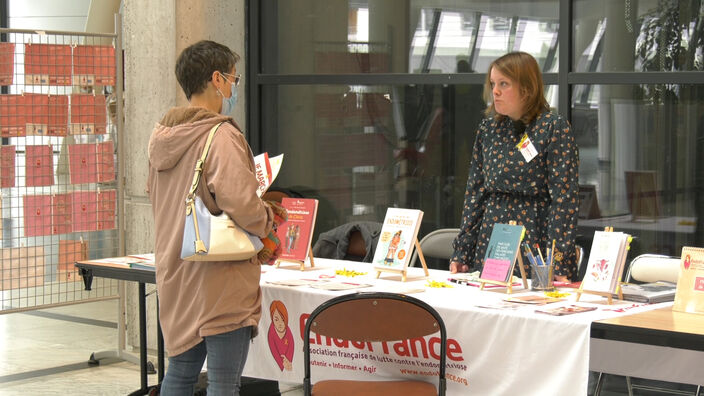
x=523 y=70
x=197 y=63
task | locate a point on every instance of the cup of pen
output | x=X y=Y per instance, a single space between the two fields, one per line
x=541 y=278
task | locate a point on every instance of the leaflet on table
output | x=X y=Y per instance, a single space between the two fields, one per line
x=294 y=282
x=566 y=310
x=144 y=261
x=266 y=170
x=689 y=296
x=397 y=238
x=472 y=279
x=339 y=285
x=532 y=299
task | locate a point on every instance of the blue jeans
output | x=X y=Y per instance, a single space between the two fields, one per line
x=226 y=353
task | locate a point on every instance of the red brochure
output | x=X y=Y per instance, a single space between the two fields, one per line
x=82 y=163
x=107 y=204
x=61 y=213
x=13 y=115
x=37 y=215
x=7 y=166
x=295 y=233
x=39 y=165
x=85 y=213
x=88 y=114
x=94 y=65
x=7 y=63
x=105 y=161
x=47 y=64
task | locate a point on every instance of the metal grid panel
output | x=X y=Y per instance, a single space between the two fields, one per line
x=58 y=165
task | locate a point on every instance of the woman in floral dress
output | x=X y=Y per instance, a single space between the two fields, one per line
x=524 y=168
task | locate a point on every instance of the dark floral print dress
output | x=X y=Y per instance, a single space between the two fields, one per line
x=541 y=195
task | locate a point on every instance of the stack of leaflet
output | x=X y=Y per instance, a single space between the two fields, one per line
x=651 y=293
x=606 y=261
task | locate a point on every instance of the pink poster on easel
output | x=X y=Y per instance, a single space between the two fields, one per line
x=39 y=166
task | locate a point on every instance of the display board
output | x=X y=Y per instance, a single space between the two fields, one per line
x=58 y=164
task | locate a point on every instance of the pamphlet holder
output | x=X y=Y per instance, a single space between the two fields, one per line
x=301 y=263
x=609 y=296
x=405 y=269
x=508 y=285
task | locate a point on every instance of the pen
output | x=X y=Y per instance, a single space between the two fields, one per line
x=542 y=260
x=529 y=254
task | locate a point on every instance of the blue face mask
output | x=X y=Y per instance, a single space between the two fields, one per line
x=228 y=104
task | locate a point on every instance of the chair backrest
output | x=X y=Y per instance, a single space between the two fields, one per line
x=375 y=317
x=653 y=267
x=436 y=244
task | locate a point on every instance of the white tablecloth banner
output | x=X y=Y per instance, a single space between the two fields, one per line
x=490 y=352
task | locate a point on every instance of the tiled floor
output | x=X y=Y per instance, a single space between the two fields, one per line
x=45 y=352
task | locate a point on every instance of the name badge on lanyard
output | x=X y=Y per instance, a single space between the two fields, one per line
x=525 y=146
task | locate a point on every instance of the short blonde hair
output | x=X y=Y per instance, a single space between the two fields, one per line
x=523 y=70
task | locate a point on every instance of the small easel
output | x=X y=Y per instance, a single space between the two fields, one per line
x=509 y=284
x=609 y=296
x=405 y=269
x=302 y=263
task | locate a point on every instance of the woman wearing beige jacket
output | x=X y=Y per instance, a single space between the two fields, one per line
x=205 y=308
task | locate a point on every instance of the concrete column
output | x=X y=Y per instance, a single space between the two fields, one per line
x=154 y=33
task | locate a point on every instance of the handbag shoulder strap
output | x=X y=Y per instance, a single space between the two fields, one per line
x=199 y=164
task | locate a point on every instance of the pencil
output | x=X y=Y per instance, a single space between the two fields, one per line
x=537 y=247
x=552 y=252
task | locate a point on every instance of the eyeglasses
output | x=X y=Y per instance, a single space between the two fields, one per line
x=237 y=77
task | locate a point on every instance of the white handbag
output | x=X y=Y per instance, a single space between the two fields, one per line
x=213 y=238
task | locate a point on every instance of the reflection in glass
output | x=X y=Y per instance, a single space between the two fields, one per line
x=666 y=35
x=402 y=36
x=638 y=145
x=361 y=149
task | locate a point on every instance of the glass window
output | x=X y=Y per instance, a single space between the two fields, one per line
x=361 y=149
x=382 y=36
x=638 y=146
x=666 y=35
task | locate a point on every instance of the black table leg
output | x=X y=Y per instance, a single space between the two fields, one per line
x=159 y=345
x=142 y=337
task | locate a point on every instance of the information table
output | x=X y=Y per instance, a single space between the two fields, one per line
x=497 y=351
x=491 y=349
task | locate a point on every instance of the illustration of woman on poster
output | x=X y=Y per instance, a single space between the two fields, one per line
x=280 y=336
x=393 y=245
